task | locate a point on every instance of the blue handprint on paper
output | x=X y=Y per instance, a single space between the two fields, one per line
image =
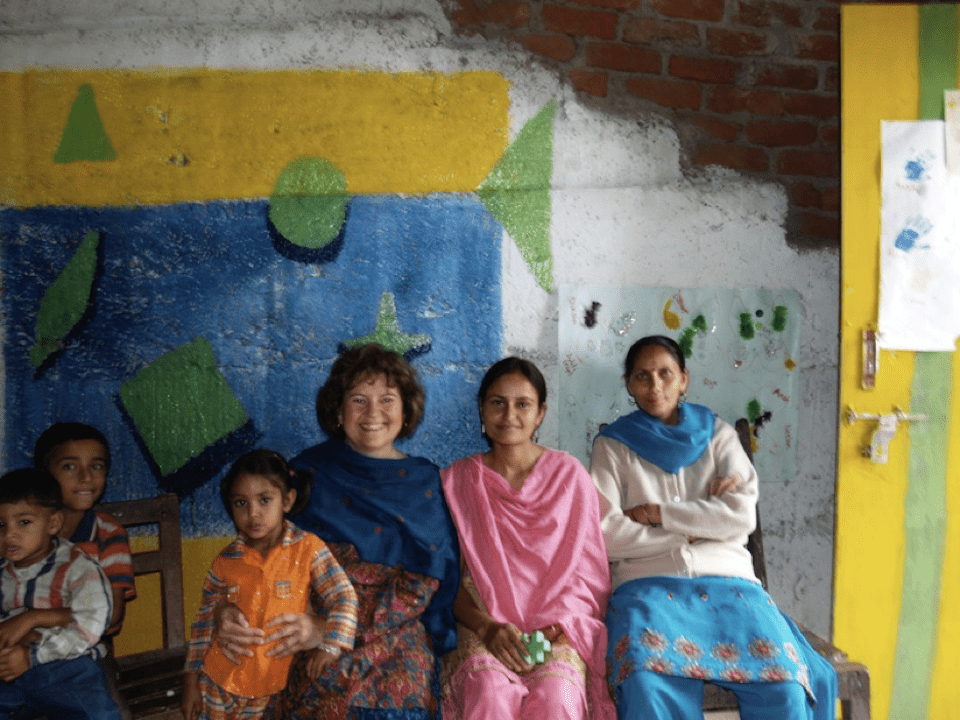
x=915 y=228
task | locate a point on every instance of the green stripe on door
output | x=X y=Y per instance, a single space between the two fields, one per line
x=938 y=57
x=926 y=499
x=925 y=519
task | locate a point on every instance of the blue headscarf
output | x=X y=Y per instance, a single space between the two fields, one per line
x=669 y=447
x=394 y=513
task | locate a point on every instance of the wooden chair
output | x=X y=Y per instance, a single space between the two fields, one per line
x=152 y=681
x=854 y=679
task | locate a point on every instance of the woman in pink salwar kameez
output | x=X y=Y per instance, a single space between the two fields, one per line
x=533 y=559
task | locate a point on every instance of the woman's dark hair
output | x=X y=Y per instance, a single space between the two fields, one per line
x=644 y=342
x=361 y=363
x=272 y=466
x=509 y=366
x=33 y=485
x=60 y=433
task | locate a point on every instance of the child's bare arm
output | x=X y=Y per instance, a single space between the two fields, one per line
x=192 y=702
x=119 y=606
x=14 y=630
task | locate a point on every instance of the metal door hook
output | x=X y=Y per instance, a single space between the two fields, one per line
x=886 y=428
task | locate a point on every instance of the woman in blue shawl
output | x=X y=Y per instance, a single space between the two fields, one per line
x=678 y=496
x=383 y=515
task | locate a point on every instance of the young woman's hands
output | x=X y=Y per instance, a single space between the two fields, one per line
x=504 y=643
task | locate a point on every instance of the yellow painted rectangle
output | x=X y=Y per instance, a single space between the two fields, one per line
x=202 y=134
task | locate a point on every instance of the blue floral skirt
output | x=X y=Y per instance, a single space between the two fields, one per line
x=705 y=628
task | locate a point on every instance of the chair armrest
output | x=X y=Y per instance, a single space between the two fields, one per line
x=826 y=649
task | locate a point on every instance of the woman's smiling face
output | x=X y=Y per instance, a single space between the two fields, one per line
x=372 y=417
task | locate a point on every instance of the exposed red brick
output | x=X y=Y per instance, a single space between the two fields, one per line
x=617 y=56
x=759 y=102
x=733 y=156
x=764 y=13
x=557 y=47
x=718 y=128
x=821 y=106
x=811 y=163
x=831 y=79
x=691 y=9
x=668 y=93
x=594 y=83
x=830 y=135
x=589 y=23
x=781 y=133
x=466 y=13
x=646 y=30
x=819 y=47
x=819 y=224
x=509 y=14
x=787 y=76
x=736 y=42
x=613 y=4
x=831 y=199
x=805 y=194
x=828 y=19
x=707 y=70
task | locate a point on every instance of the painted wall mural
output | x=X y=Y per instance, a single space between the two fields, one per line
x=184 y=254
x=741 y=347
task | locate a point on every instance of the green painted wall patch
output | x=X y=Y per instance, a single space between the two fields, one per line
x=84 y=137
x=517 y=192
x=181 y=404
x=65 y=301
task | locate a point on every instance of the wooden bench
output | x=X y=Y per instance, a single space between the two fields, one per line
x=152 y=681
x=854 y=679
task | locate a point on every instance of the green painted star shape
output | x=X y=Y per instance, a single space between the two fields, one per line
x=388 y=332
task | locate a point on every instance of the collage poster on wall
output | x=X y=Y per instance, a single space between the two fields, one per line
x=741 y=350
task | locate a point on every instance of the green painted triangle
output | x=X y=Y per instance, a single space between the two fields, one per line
x=84 y=137
x=517 y=192
x=65 y=301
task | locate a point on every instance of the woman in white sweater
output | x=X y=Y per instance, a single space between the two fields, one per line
x=678 y=496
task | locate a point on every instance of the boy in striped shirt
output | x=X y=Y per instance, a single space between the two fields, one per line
x=55 y=603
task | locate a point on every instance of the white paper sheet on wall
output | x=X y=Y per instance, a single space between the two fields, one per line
x=919 y=240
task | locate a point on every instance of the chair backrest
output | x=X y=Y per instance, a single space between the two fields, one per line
x=164 y=512
x=755 y=541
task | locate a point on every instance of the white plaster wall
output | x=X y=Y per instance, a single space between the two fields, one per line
x=623 y=212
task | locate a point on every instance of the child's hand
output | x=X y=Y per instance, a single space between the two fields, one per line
x=317 y=660
x=15 y=629
x=14 y=662
x=192 y=702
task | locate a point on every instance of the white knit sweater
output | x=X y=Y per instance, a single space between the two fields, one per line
x=720 y=524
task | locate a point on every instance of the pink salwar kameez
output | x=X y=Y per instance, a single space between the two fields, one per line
x=534 y=558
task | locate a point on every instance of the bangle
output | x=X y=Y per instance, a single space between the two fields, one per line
x=328 y=648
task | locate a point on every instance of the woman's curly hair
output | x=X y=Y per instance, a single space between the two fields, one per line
x=361 y=363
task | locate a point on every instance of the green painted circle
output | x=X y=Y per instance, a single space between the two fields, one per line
x=309 y=200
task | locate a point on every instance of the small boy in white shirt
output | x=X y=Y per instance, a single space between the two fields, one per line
x=55 y=603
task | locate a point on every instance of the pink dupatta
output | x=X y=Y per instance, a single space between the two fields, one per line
x=537 y=555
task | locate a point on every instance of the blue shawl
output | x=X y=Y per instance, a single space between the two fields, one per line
x=394 y=513
x=669 y=447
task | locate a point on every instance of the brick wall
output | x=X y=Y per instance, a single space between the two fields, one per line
x=751 y=85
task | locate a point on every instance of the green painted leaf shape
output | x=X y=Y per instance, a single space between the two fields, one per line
x=65 y=301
